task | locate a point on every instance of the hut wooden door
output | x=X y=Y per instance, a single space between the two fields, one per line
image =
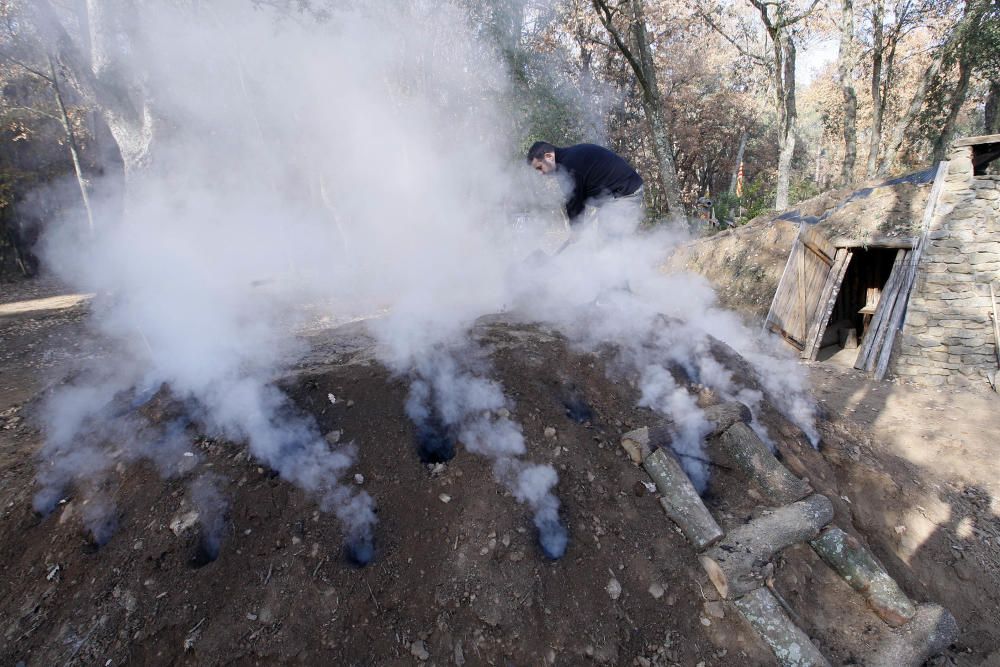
x=807 y=291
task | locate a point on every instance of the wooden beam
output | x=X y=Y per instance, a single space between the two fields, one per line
x=877 y=242
x=975 y=141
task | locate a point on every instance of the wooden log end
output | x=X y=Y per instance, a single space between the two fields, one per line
x=931 y=630
x=716 y=575
x=862 y=571
x=636 y=445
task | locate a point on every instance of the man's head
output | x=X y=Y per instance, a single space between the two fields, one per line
x=542 y=157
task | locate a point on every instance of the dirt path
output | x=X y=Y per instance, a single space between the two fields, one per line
x=915 y=468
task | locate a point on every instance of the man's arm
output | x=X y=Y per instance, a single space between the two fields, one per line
x=575 y=205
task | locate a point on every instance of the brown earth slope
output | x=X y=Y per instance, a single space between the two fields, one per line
x=462 y=581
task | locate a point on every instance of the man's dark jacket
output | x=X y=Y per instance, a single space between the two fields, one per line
x=596 y=173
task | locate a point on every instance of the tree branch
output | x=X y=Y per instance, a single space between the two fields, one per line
x=42 y=75
x=606 y=18
x=796 y=19
x=714 y=26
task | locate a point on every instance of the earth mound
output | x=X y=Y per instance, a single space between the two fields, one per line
x=457 y=575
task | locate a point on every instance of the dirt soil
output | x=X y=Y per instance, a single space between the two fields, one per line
x=458 y=578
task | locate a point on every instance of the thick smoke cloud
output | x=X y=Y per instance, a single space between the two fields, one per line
x=368 y=162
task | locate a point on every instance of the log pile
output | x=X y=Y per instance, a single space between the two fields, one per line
x=740 y=563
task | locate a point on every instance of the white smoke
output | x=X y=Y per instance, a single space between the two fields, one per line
x=367 y=162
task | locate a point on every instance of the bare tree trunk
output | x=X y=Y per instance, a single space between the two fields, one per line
x=992 y=109
x=739 y=161
x=99 y=79
x=653 y=107
x=74 y=149
x=786 y=140
x=846 y=60
x=875 y=140
x=955 y=107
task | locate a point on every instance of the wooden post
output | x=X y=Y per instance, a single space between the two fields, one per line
x=859 y=568
x=791 y=646
x=737 y=564
x=740 y=448
x=681 y=501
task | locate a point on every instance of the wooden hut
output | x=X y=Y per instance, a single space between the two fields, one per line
x=930 y=280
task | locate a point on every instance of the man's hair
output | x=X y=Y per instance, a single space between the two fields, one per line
x=539 y=149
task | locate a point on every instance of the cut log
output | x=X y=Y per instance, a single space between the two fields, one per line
x=681 y=501
x=740 y=448
x=641 y=442
x=736 y=565
x=791 y=646
x=859 y=568
x=931 y=630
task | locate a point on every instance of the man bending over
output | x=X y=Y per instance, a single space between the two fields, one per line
x=599 y=178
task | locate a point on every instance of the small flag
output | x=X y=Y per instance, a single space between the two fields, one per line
x=739 y=180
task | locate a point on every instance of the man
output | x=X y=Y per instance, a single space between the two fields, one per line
x=599 y=177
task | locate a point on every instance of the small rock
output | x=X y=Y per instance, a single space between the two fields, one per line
x=715 y=609
x=589 y=650
x=419 y=650
x=332 y=399
x=656 y=590
x=705 y=622
x=359 y=479
x=550 y=432
x=251 y=617
x=181 y=523
x=445 y=498
x=333 y=437
x=503 y=412
x=614 y=589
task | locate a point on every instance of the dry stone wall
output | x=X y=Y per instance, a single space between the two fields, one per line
x=947 y=336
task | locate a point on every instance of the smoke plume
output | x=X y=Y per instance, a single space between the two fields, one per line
x=369 y=161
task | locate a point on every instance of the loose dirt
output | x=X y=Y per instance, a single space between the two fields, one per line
x=458 y=577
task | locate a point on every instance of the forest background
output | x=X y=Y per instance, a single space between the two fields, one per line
x=751 y=105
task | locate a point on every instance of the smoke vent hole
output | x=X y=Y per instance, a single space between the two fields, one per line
x=578 y=410
x=360 y=551
x=434 y=443
x=206 y=552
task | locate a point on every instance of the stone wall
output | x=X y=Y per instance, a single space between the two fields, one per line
x=947 y=336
